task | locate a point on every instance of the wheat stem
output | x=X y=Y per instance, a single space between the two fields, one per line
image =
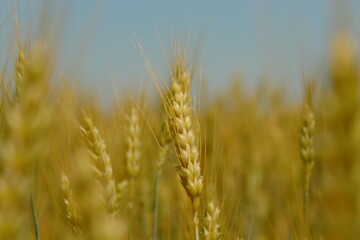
x=156 y=204
x=36 y=223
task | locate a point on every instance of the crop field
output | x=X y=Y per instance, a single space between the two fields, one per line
x=180 y=163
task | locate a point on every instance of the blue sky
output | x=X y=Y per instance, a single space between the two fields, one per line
x=278 y=38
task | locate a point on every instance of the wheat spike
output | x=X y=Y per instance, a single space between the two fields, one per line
x=133 y=142
x=102 y=167
x=211 y=225
x=181 y=125
x=307 y=148
x=73 y=220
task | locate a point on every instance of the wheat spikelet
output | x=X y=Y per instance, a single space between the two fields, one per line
x=121 y=189
x=211 y=225
x=165 y=139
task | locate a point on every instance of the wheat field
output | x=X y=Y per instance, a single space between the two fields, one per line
x=180 y=165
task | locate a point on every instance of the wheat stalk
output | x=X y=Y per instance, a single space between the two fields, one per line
x=165 y=139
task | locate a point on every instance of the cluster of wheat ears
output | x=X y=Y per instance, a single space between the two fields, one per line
x=243 y=166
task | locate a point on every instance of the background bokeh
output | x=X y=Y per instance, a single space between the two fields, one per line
x=282 y=40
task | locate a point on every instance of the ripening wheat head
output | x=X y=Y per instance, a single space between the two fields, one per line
x=102 y=167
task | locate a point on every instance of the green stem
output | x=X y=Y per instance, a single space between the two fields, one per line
x=196 y=225
x=36 y=225
x=155 y=220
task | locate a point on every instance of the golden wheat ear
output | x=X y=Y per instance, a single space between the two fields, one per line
x=133 y=143
x=71 y=213
x=184 y=137
x=24 y=141
x=211 y=225
x=102 y=164
x=307 y=150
